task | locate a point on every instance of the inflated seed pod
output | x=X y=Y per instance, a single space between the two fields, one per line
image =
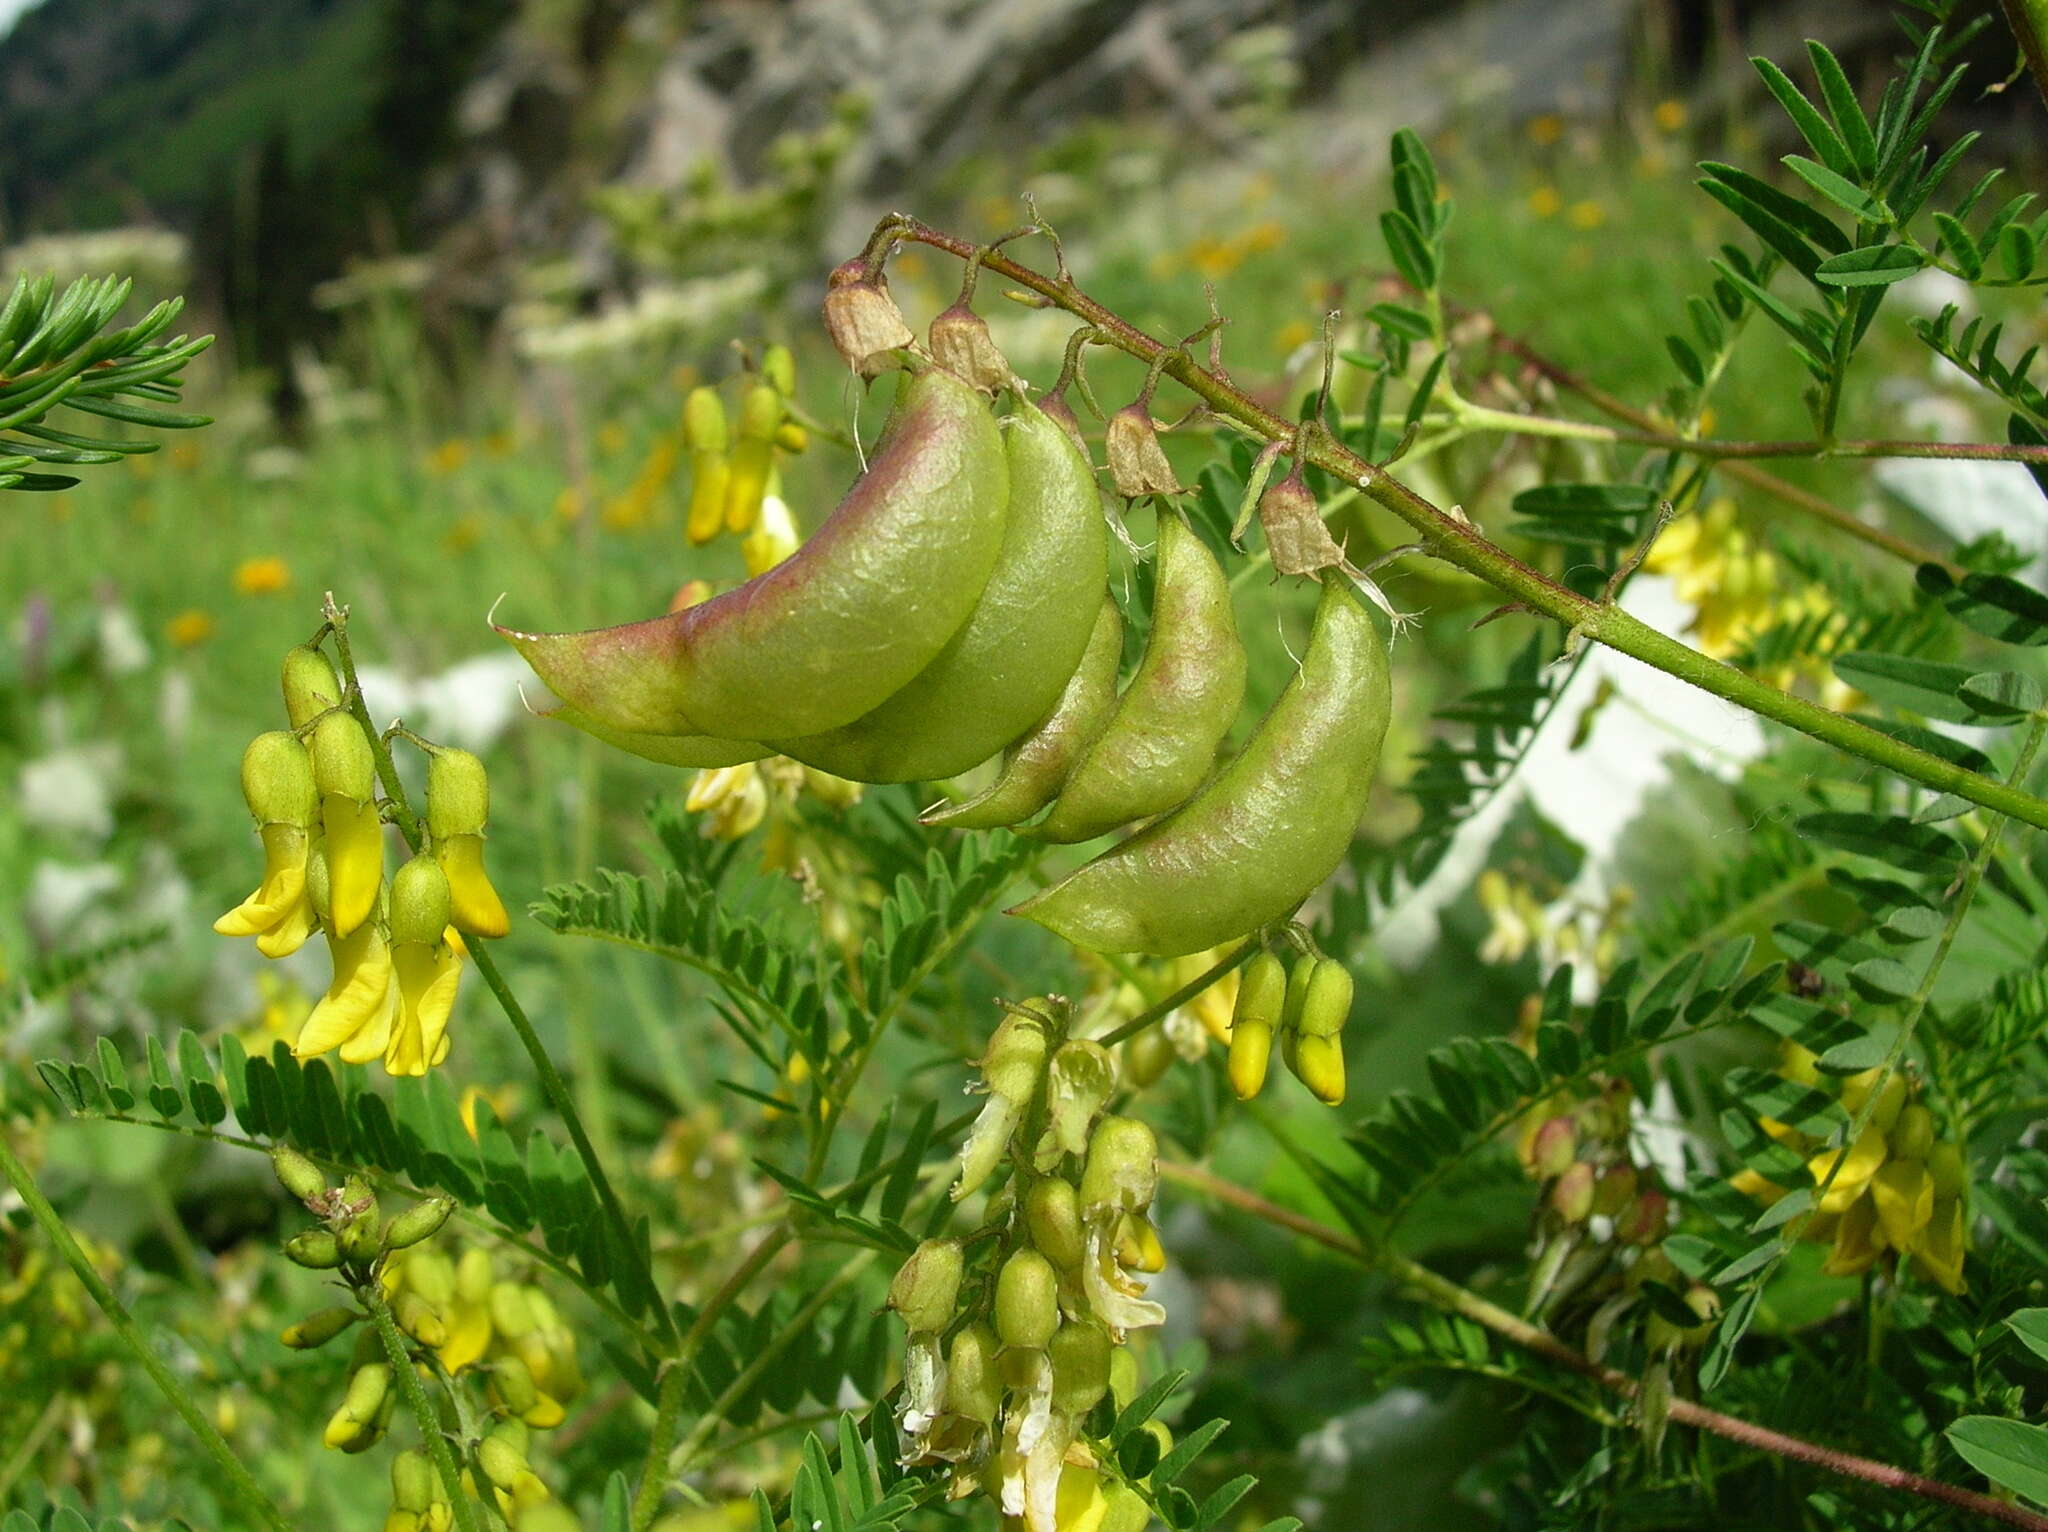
x=1035 y=768
x=927 y=1286
x=1027 y=1308
x=702 y=752
x=828 y=634
x=1161 y=740
x=974 y=1387
x=1269 y=828
x=297 y=1174
x=1080 y=1353
x=1004 y=670
x=310 y=684
x=1052 y=1217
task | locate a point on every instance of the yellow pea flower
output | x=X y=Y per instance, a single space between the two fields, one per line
x=1859 y=1164
x=1858 y=1241
x=345 y=771
x=356 y=1013
x=278 y=784
x=735 y=798
x=1903 y=1194
x=428 y=969
x=1081 y=1505
x=1938 y=1252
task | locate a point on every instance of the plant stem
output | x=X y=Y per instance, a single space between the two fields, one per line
x=407 y=1376
x=1458 y=541
x=238 y=1478
x=1449 y=1296
x=487 y=968
x=675 y=1378
x=2029 y=22
x=1183 y=995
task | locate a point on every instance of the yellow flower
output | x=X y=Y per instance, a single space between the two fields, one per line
x=356 y=1013
x=569 y=503
x=262 y=576
x=1544 y=202
x=734 y=797
x=189 y=627
x=428 y=978
x=1669 y=115
x=1586 y=214
x=1545 y=130
x=279 y=914
x=476 y=903
x=611 y=437
x=1858 y=1165
x=773 y=539
x=1214 y=1006
x=449 y=456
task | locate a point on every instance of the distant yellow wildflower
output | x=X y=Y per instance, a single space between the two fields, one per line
x=1544 y=202
x=1669 y=115
x=1586 y=214
x=189 y=627
x=1545 y=130
x=450 y=456
x=262 y=576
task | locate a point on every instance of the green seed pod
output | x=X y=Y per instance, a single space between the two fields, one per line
x=778 y=366
x=419 y=1319
x=1014 y=1064
x=1137 y=463
x=315 y=1249
x=1265 y=831
x=861 y=317
x=1949 y=1169
x=458 y=793
x=420 y=902
x=926 y=1290
x=412 y=1480
x=1062 y=415
x=1006 y=668
x=1160 y=742
x=1035 y=768
x=974 y=1388
x=343 y=763
x=1326 y=1005
x=318 y=1329
x=1078 y=1083
x=1080 y=1354
x=1027 y=1301
x=277 y=780
x=1123 y=1167
x=1572 y=1197
x=827 y=635
x=1052 y=1217
x=960 y=341
x=422 y=1220
x=1912 y=1136
x=1251 y=1047
x=297 y=1174
x=502 y=1462
x=311 y=686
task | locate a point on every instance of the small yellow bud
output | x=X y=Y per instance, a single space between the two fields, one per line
x=704 y=421
x=778 y=366
x=318 y=1329
x=1027 y=1301
x=1326 y=1003
x=419 y=1319
x=412 y=1480
x=1319 y=1064
x=1251 y=1046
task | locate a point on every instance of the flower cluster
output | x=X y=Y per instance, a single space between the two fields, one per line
x=1016 y=1335
x=733 y=475
x=397 y=946
x=1898 y=1190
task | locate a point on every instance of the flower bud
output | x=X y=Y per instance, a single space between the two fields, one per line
x=420 y=902
x=1319 y=1064
x=419 y=1319
x=473 y=1275
x=511 y=1313
x=458 y=793
x=513 y=1382
x=396 y=1520
x=973 y=1387
x=1052 y=1217
x=1015 y=1060
x=1644 y=1220
x=422 y=1220
x=502 y=1462
x=1080 y=1366
x=1912 y=1136
x=1251 y=1047
x=1556 y=1145
x=791 y=437
x=1891 y=1098
x=368 y=1388
x=362 y=1237
x=1615 y=1189
x=927 y=1286
x=297 y=1174
x=1297 y=539
x=547 y=1516
x=412 y=1480
x=1148 y=1056
x=343 y=762
x=318 y=1329
x=1326 y=1003
x=1078 y=1083
x=1137 y=463
x=310 y=685
x=778 y=366
x=1261 y=993
x=1027 y=1301
x=1137 y=1244
x=1290 y=1006
x=316 y=1249
x=430 y=1274
x=1123 y=1167
x=1572 y=1197
x=960 y=342
x=277 y=780
x=1948 y=1168
x=704 y=421
x=861 y=317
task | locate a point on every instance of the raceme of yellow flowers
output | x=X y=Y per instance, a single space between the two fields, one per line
x=397 y=945
x=733 y=476
x=1899 y=1188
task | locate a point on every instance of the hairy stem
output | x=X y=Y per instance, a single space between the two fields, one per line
x=1449 y=1296
x=239 y=1479
x=487 y=968
x=407 y=1376
x=1457 y=541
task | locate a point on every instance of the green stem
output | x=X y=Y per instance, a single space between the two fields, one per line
x=487 y=968
x=675 y=1379
x=432 y=1437
x=1458 y=541
x=2029 y=22
x=1184 y=994
x=238 y=1478
x=1447 y=1295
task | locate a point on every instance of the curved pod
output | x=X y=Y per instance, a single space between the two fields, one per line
x=838 y=627
x=1002 y=672
x=1036 y=766
x=705 y=751
x=1272 y=825
x=1161 y=741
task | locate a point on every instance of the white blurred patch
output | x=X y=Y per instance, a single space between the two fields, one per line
x=61 y=893
x=72 y=789
x=469 y=704
x=1967 y=500
x=123 y=650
